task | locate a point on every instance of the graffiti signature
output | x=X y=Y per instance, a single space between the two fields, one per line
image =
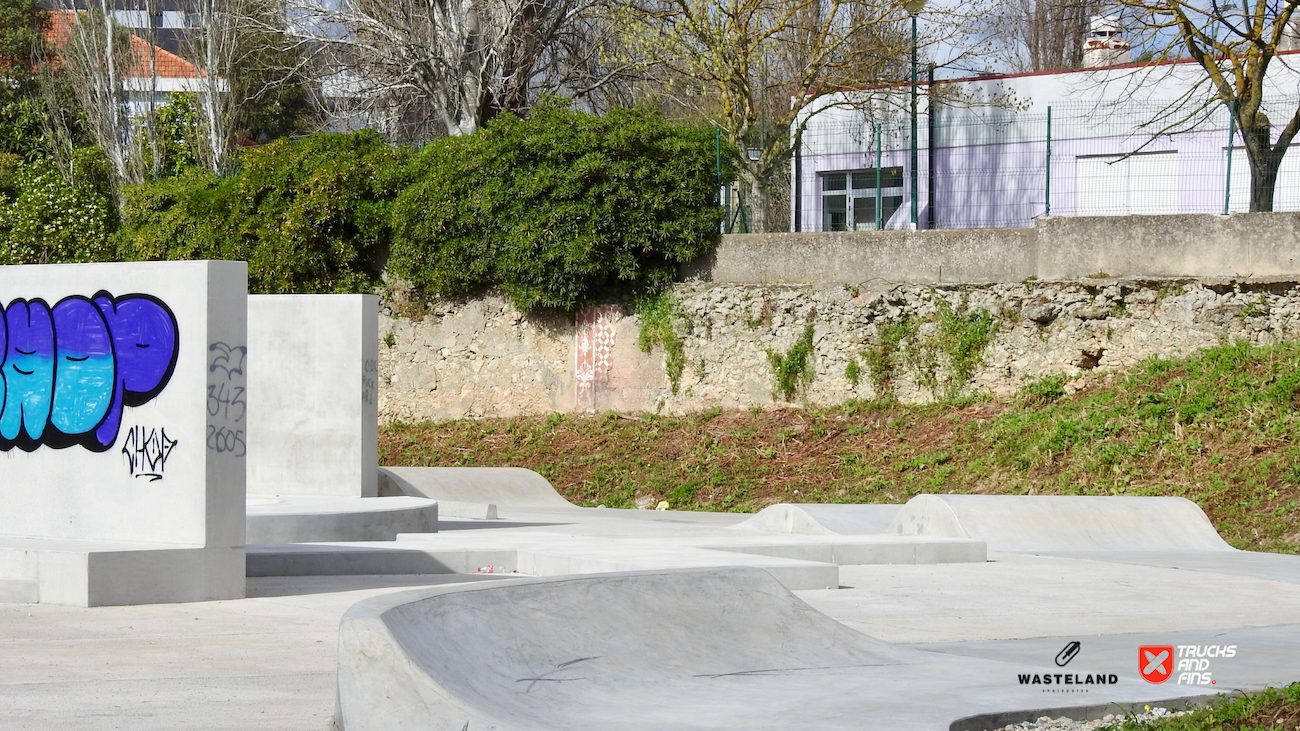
x=147 y=451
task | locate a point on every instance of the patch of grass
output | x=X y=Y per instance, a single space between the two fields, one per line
x=1221 y=428
x=1274 y=709
x=793 y=370
x=657 y=313
x=1045 y=390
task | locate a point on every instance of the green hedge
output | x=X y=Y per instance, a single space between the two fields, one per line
x=558 y=209
x=308 y=216
x=45 y=220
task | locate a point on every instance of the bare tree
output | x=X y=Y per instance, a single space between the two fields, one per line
x=232 y=43
x=99 y=60
x=759 y=69
x=1235 y=45
x=466 y=60
x=1044 y=35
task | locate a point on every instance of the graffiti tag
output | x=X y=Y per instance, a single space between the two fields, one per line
x=226 y=404
x=66 y=372
x=147 y=451
x=369 y=382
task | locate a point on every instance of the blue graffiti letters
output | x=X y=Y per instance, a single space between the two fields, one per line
x=67 y=372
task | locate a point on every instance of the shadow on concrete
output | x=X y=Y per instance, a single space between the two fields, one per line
x=275 y=586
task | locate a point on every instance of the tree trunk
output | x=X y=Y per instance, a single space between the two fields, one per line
x=758 y=198
x=1264 y=164
x=1263 y=181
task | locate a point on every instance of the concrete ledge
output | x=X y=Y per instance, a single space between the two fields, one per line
x=472 y=511
x=101 y=573
x=307 y=520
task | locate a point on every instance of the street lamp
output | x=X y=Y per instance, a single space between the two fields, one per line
x=913 y=8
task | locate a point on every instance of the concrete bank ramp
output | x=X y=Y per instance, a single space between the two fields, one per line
x=724 y=648
x=504 y=486
x=1057 y=523
x=822 y=519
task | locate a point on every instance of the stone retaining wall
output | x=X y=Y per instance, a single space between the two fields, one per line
x=481 y=357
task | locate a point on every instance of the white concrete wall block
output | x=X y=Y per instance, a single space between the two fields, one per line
x=123 y=418
x=315 y=428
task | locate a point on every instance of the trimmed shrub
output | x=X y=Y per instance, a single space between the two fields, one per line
x=309 y=216
x=558 y=209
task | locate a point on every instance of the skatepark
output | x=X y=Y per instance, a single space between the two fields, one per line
x=276 y=579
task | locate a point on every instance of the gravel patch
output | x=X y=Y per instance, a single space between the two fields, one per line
x=1110 y=720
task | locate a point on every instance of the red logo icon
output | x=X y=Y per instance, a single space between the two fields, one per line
x=1156 y=662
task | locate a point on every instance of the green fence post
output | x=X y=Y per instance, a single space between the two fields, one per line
x=1227 y=181
x=1047 y=187
x=880 y=218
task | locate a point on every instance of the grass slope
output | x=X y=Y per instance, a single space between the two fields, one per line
x=1221 y=428
x=1275 y=709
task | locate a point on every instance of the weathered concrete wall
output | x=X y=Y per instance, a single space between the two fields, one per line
x=920 y=257
x=1240 y=245
x=483 y=358
x=316 y=388
x=123 y=432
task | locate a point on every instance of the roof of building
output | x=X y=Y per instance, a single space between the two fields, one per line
x=166 y=64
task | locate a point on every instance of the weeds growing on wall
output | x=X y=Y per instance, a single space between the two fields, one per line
x=883 y=358
x=853 y=372
x=657 y=314
x=793 y=369
x=962 y=337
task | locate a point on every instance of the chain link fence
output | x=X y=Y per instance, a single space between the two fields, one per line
x=1002 y=168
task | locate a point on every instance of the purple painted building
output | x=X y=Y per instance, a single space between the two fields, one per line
x=989 y=158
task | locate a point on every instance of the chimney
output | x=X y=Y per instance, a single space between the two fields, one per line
x=1290 y=36
x=1104 y=46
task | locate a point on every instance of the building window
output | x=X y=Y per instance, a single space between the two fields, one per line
x=849 y=199
x=1143 y=184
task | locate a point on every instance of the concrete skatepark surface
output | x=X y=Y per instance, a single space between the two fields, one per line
x=271 y=661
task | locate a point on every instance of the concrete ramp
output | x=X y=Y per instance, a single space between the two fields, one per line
x=662 y=651
x=822 y=519
x=505 y=486
x=1062 y=523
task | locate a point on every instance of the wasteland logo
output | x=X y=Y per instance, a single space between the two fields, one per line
x=1067 y=682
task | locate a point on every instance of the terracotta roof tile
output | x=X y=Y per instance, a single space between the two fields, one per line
x=168 y=64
